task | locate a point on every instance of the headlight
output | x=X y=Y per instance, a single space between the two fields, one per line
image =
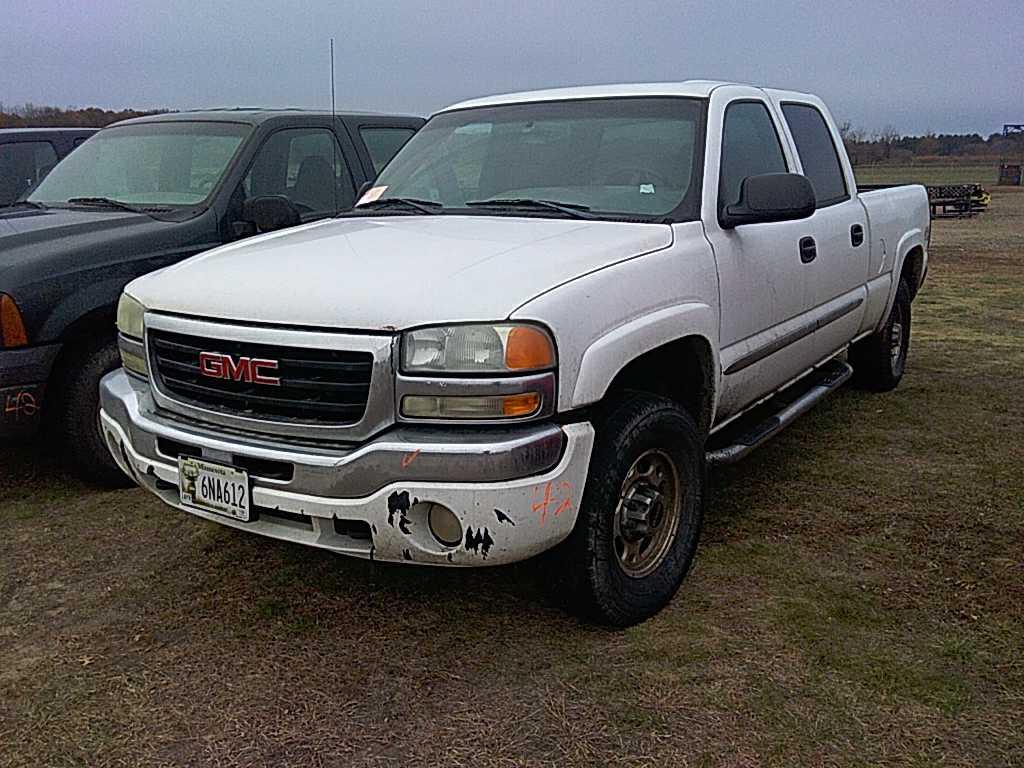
x=129 y=316
x=468 y=349
x=129 y=324
x=477 y=373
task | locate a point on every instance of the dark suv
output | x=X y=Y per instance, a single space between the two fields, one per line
x=138 y=196
x=28 y=154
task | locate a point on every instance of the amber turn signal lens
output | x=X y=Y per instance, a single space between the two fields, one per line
x=521 y=405
x=12 y=328
x=480 y=408
x=528 y=349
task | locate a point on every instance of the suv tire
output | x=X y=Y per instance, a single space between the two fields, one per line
x=77 y=416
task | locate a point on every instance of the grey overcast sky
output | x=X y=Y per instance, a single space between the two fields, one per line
x=914 y=64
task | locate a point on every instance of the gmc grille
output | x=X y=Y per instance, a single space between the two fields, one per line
x=318 y=386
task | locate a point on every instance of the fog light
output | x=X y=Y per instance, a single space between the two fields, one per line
x=444 y=525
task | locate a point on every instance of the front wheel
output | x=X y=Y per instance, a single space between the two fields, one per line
x=641 y=514
x=78 y=415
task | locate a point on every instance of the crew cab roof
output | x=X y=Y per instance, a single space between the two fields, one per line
x=251 y=115
x=687 y=88
x=28 y=131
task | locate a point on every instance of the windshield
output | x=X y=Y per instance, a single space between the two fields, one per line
x=154 y=164
x=627 y=157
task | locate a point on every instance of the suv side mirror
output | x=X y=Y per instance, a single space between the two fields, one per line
x=770 y=197
x=270 y=212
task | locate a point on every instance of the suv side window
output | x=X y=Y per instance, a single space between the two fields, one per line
x=305 y=165
x=817 y=153
x=750 y=147
x=384 y=143
x=22 y=165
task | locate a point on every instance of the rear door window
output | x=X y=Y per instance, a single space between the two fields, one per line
x=383 y=143
x=22 y=165
x=817 y=152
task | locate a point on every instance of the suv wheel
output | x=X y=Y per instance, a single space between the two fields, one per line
x=77 y=415
x=641 y=515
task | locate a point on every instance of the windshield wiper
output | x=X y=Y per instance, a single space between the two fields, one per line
x=526 y=203
x=28 y=204
x=409 y=203
x=109 y=203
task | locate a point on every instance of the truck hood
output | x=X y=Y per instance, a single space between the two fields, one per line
x=388 y=273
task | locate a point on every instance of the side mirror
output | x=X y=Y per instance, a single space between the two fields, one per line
x=365 y=187
x=270 y=212
x=770 y=197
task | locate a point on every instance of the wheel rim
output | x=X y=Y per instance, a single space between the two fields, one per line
x=896 y=337
x=648 y=514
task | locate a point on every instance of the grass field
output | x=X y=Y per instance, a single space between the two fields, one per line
x=858 y=599
x=986 y=174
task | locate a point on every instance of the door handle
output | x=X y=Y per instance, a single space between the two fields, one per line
x=808 y=250
x=856 y=235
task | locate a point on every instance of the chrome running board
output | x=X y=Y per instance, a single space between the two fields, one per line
x=812 y=389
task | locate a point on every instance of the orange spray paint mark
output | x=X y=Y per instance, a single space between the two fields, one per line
x=551 y=498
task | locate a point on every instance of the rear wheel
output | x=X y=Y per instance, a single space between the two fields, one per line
x=880 y=360
x=77 y=414
x=641 y=514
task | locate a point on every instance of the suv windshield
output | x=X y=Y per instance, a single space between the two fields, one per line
x=152 y=164
x=623 y=157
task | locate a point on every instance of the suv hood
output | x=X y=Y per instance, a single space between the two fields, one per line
x=394 y=272
x=28 y=235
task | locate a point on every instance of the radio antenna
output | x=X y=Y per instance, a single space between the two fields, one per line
x=332 y=78
x=334 y=137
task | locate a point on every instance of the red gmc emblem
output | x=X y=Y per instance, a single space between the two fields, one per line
x=248 y=369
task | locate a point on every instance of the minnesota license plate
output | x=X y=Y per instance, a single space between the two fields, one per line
x=214 y=488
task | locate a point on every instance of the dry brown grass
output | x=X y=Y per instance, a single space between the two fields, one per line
x=858 y=600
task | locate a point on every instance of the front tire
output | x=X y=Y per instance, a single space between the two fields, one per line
x=641 y=515
x=78 y=415
x=880 y=360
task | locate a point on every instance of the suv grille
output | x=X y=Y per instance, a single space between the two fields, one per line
x=316 y=385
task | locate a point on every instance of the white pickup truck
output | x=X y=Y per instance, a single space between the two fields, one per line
x=549 y=314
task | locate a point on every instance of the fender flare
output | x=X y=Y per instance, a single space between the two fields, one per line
x=611 y=353
x=912 y=239
x=93 y=299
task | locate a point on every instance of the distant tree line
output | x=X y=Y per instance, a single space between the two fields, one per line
x=33 y=116
x=865 y=148
x=889 y=145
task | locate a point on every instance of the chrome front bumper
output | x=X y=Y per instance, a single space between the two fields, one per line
x=515 y=491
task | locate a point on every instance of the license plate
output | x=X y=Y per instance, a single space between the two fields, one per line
x=214 y=487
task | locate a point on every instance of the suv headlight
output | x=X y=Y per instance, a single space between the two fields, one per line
x=475 y=349
x=478 y=372
x=130 y=313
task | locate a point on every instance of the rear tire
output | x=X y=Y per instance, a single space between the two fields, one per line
x=78 y=415
x=641 y=514
x=880 y=360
